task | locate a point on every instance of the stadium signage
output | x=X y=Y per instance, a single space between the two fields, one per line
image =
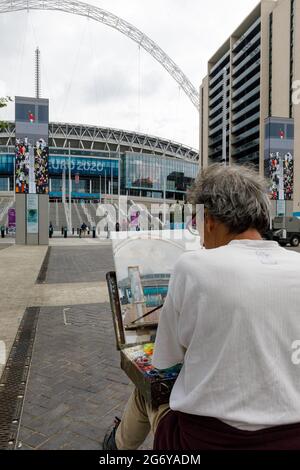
x=83 y=166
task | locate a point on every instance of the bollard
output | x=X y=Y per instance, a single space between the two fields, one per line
x=2 y=232
x=94 y=233
x=65 y=232
x=6 y=230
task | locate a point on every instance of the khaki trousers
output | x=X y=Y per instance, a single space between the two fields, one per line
x=138 y=420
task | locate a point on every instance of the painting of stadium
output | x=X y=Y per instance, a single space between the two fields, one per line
x=144 y=265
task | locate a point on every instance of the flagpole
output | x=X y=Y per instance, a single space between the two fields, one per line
x=119 y=185
x=64 y=182
x=111 y=182
x=100 y=188
x=14 y=179
x=70 y=187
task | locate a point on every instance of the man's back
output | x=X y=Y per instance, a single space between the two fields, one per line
x=236 y=312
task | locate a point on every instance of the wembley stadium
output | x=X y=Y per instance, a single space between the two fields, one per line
x=97 y=163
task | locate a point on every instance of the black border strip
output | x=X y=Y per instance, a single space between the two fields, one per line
x=14 y=379
x=41 y=279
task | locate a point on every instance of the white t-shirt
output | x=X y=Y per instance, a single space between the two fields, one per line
x=231 y=317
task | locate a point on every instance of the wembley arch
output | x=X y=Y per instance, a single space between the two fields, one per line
x=109 y=19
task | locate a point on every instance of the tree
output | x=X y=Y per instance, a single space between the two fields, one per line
x=3 y=103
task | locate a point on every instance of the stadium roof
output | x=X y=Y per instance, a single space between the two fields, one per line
x=85 y=137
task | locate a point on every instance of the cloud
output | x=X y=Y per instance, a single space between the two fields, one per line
x=112 y=84
x=3 y=88
x=90 y=72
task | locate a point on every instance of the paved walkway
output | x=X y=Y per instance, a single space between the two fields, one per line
x=7 y=241
x=3 y=246
x=76 y=275
x=76 y=241
x=19 y=268
x=60 y=241
x=68 y=294
x=68 y=264
x=75 y=386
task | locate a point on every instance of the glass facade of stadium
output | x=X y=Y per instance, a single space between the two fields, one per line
x=95 y=173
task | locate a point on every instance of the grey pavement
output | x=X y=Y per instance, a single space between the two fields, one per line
x=73 y=264
x=19 y=268
x=76 y=386
x=7 y=241
x=3 y=246
x=64 y=294
x=76 y=241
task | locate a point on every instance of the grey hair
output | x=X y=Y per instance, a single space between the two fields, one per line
x=235 y=196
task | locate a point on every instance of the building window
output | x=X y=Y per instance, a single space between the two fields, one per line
x=3 y=184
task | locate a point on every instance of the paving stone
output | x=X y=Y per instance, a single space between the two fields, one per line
x=76 y=386
x=95 y=433
x=51 y=428
x=61 y=440
x=25 y=433
x=34 y=440
x=22 y=446
x=3 y=246
x=87 y=264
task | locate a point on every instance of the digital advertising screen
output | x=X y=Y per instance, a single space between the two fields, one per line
x=279 y=158
x=31 y=150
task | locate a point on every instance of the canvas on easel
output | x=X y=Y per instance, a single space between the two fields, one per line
x=144 y=263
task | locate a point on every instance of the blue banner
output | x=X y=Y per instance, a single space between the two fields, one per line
x=83 y=166
x=75 y=195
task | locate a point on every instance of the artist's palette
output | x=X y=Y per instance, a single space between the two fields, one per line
x=141 y=356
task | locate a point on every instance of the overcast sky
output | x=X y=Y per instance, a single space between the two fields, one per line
x=93 y=74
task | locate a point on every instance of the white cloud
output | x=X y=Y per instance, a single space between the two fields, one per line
x=90 y=72
x=3 y=88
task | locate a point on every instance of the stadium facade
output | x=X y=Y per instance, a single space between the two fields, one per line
x=249 y=100
x=106 y=161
